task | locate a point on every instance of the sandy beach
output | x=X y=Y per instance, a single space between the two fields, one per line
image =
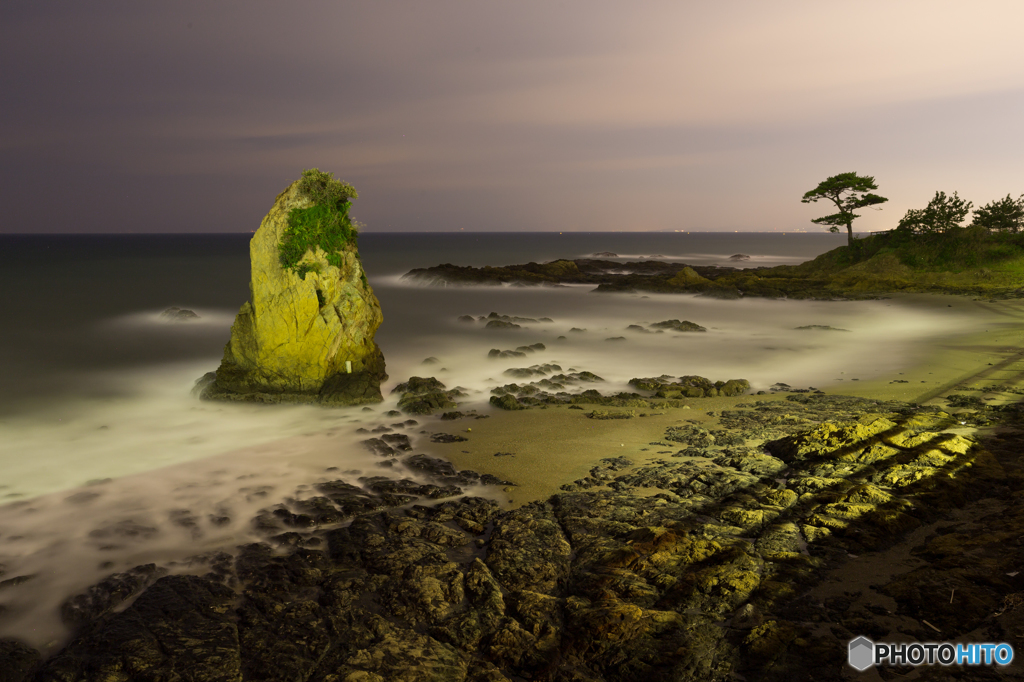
x=545 y=448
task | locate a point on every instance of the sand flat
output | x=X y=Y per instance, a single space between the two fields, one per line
x=556 y=445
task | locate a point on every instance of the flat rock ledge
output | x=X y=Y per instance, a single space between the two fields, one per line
x=705 y=564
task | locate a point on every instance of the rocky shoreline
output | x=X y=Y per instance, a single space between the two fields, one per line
x=819 y=279
x=715 y=560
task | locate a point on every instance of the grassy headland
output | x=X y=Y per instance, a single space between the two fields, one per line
x=961 y=261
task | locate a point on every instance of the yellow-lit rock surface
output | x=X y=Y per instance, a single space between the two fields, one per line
x=301 y=340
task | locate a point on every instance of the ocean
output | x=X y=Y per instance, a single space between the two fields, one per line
x=107 y=462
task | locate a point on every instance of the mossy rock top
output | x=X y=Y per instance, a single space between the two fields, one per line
x=320 y=222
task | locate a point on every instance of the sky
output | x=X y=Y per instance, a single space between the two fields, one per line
x=502 y=116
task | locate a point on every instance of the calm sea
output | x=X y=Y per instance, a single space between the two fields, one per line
x=99 y=436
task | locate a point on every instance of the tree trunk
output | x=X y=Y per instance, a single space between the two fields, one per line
x=849 y=233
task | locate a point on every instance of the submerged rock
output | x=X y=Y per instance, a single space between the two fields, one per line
x=502 y=324
x=679 y=326
x=306 y=333
x=176 y=314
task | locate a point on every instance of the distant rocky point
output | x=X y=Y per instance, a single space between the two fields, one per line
x=306 y=333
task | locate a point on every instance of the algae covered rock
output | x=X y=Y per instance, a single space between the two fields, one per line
x=688 y=277
x=306 y=333
x=426 y=395
x=690 y=387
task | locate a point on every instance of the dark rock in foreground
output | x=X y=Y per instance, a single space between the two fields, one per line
x=682 y=569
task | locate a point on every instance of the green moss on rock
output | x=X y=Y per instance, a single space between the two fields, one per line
x=324 y=225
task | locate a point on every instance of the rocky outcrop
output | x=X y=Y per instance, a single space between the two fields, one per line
x=306 y=333
x=426 y=395
x=733 y=565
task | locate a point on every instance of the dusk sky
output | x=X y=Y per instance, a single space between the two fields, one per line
x=446 y=115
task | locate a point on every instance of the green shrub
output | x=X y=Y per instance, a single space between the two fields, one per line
x=325 y=224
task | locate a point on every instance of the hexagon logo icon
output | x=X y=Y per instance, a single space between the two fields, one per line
x=862 y=653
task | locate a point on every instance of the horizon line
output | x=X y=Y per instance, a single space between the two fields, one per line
x=372 y=232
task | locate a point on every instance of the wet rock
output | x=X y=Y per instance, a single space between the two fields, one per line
x=529 y=551
x=422 y=395
x=179 y=623
x=534 y=370
x=447 y=438
x=502 y=324
x=321 y=511
x=603 y=414
x=18 y=662
x=175 y=314
x=513 y=318
x=430 y=465
x=694 y=436
x=506 y=402
x=679 y=326
x=690 y=387
x=753 y=463
x=124 y=530
x=398 y=441
x=378 y=447
x=15 y=581
x=103 y=597
x=501 y=354
x=830 y=439
x=409 y=489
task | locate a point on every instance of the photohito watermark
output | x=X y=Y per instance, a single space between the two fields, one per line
x=864 y=653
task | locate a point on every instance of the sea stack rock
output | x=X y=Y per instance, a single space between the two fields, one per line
x=306 y=333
